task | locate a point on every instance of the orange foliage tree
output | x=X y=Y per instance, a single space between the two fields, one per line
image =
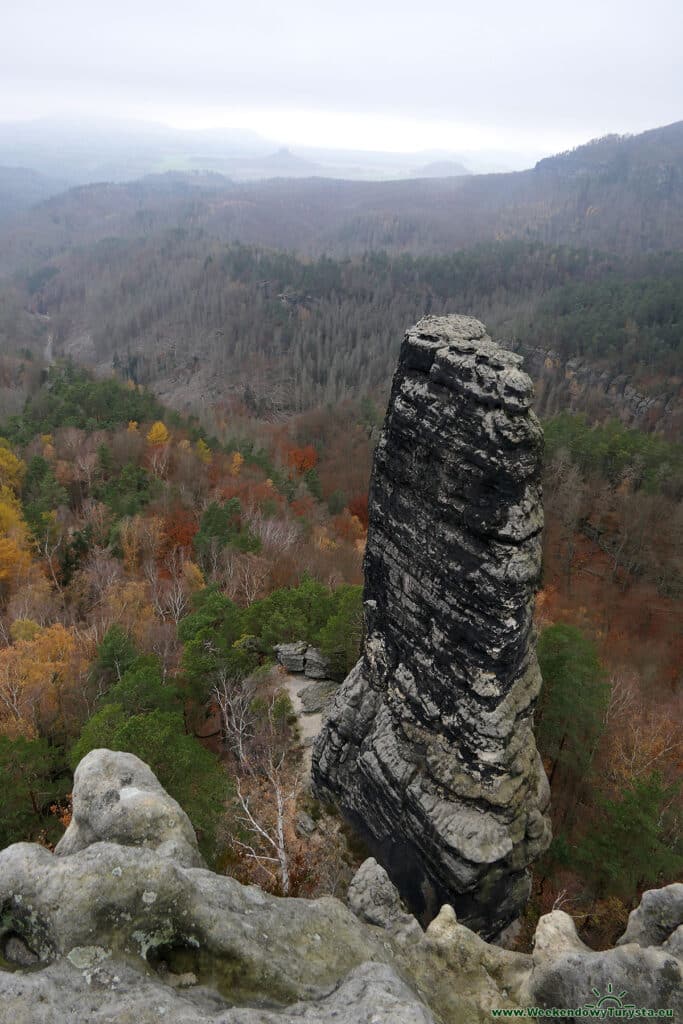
x=302 y=459
x=33 y=671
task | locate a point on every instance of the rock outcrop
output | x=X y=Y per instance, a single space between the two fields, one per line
x=120 y=932
x=428 y=749
x=302 y=657
x=575 y=382
x=657 y=919
x=117 y=798
x=567 y=973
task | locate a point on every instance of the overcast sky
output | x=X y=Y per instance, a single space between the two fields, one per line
x=520 y=75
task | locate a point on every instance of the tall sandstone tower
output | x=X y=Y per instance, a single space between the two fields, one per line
x=429 y=749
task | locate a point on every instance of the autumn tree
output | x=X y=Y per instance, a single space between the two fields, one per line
x=158 y=434
x=12 y=469
x=34 y=672
x=302 y=459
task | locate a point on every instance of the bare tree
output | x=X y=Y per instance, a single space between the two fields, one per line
x=273 y=841
x=621 y=698
x=170 y=597
x=235 y=699
x=275 y=534
x=253 y=573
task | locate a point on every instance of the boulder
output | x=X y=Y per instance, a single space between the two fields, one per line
x=658 y=915
x=316 y=665
x=568 y=974
x=291 y=656
x=117 y=797
x=374 y=899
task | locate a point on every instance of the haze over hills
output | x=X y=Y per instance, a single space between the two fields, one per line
x=617 y=194
x=173 y=279
x=94 y=150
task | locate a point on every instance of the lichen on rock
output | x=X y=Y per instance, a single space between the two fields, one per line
x=82 y=939
x=428 y=749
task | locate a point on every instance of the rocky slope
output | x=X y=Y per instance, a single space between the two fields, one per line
x=578 y=385
x=429 y=749
x=122 y=925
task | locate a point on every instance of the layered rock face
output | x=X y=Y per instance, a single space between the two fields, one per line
x=429 y=749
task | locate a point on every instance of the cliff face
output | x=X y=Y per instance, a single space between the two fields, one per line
x=576 y=384
x=429 y=749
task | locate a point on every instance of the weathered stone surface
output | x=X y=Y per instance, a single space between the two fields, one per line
x=316 y=665
x=291 y=656
x=318 y=696
x=121 y=934
x=374 y=899
x=114 y=993
x=566 y=972
x=136 y=904
x=656 y=918
x=117 y=796
x=428 y=748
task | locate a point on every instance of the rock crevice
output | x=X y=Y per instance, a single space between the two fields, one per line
x=428 y=748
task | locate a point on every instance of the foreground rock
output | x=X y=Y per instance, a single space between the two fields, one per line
x=567 y=973
x=657 y=917
x=114 y=992
x=117 y=798
x=125 y=934
x=428 y=749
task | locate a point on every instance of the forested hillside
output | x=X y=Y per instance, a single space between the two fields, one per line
x=147 y=570
x=214 y=326
x=618 y=194
x=203 y=497
x=280 y=295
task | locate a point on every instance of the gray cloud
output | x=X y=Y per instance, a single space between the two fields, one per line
x=538 y=68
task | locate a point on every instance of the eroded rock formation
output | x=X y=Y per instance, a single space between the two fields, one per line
x=118 y=927
x=429 y=749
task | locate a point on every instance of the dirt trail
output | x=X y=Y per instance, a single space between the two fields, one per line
x=309 y=724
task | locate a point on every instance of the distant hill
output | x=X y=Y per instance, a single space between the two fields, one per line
x=21 y=187
x=618 y=195
x=106 y=149
x=660 y=149
x=189 y=282
x=441 y=169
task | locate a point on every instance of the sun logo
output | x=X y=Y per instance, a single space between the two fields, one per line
x=610 y=999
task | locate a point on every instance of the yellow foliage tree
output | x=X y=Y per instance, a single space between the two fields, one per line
x=236 y=463
x=14 y=560
x=33 y=671
x=203 y=451
x=15 y=555
x=12 y=469
x=158 y=434
x=193 y=576
x=128 y=603
x=132 y=426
